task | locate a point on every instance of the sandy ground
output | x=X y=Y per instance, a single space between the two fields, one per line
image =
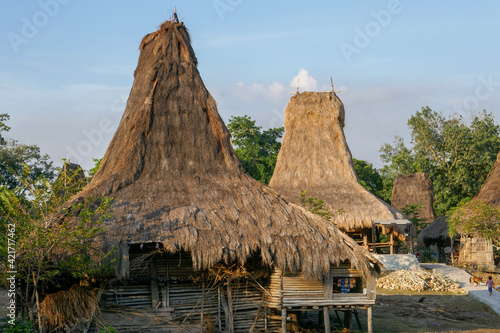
x=435 y=313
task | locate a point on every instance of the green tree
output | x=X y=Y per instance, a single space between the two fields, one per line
x=457 y=156
x=14 y=156
x=476 y=218
x=257 y=150
x=372 y=180
x=50 y=254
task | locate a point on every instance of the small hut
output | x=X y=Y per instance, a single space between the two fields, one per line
x=414 y=189
x=476 y=250
x=436 y=238
x=315 y=158
x=201 y=245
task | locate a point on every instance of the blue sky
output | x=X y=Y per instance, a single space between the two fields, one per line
x=66 y=66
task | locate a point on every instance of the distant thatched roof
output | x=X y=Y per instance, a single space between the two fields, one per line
x=414 y=189
x=435 y=232
x=314 y=156
x=490 y=191
x=176 y=180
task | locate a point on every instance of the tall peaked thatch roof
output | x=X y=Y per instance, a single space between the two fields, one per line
x=176 y=180
x=315 y=157
x=490 y=191
x=412 y=189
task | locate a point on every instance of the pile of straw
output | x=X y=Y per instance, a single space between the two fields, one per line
x=74 y=307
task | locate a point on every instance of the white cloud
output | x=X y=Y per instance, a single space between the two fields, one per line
x=246 y=93
x=306 y=81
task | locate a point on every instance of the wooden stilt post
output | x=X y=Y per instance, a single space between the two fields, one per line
x=392 y=243
x=369 y=320
x=283 y=320
x=155 y=292
x=326 y=317
x=202 y=304
x=365 y=239
x=374 y=239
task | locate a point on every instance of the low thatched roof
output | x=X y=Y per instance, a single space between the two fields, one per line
x=490 y=191
x=315 y=157
x=176 y=180
x=412 y=189
x=435 y=233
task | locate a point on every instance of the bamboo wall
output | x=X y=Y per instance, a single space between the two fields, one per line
x=163 y=294
x=476 y=251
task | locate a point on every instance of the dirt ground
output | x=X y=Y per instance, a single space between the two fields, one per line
x=435 y=313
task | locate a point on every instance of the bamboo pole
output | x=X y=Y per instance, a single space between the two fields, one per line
x=326 y=317
x=283 y=320
x=369 y=319
x=202 y=303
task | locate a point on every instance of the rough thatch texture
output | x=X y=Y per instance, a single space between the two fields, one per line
x=70 y=308
x=176 y=180
x=414 y=189
x=314 y=156
x=490 y=191
x=435 y=233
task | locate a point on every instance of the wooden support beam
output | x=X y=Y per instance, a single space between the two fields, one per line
x=283 y=320
x=155 y=293
x=326 y=317
x=374 y=239
x=365 y=239
x=369 y=319
x=392 y=244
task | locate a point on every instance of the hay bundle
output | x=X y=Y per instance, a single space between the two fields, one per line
x=176 y=180
x=413 y=189
x=74 y=307
x=315 y=157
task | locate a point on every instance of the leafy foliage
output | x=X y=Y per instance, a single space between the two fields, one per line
x=3 y=128
x=372 y=180
x=97 y=164
x=457 y=156
x=64 y=251
x=413 y=213
x=317 y=206
x=13 y=158
x=476 y=218
x=257 y=150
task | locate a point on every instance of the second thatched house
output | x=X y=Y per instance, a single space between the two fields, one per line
x=315 y=158
x=201 y=246
x=414 y=189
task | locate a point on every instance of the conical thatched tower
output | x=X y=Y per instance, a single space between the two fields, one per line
x=414 y=189
x=315 y=157
x=490 y=191
x=176 y=180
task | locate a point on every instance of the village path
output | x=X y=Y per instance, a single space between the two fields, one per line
x=459 y=275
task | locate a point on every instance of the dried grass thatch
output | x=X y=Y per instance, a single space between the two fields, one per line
x=73 y=308
x=437 y=232
x=315 y=157
x=490 y=191
x=176 y=180
x=412 y=189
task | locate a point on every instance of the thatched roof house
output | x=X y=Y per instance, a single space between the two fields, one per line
x=437 y=232
x=315 y=157
x=474 y=249
x=176 y=180
x=184 y=209
x=414 y=189
x=490 y=191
